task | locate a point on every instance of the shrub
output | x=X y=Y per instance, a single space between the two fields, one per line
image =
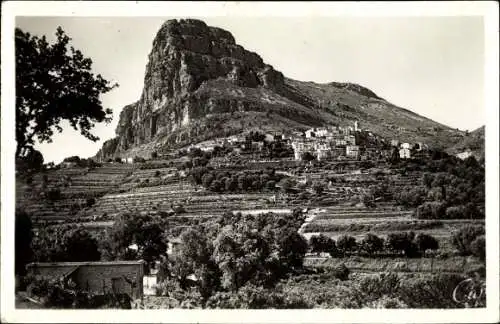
x=254 y=297
x=431 y=210
x=23 y=238
x=426 y=242
x=321 y=243
x=138 y=159
x=74 y=159
x=455 y=212
x=387 y=302
x=429 y=292
x=90 y=201
x=478 y=247
x=53 y=194
x=341 y=272
x=402 y=243
x=463 y=238
x=410 y=196
x=346 y=244
x=371 y=243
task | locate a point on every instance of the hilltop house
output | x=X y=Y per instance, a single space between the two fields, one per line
x=310 y=133
x=405 y=151
x=338 y=152
x=323 y=150
x=300 y=147
x=340 y=142
x=464 y=155
x=321 y=132
x=100 y=278
x=350 y=139
x=273 y=136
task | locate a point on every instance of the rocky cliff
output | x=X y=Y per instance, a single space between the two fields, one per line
x=200 y=83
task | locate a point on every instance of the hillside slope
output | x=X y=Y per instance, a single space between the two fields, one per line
x=474 y=142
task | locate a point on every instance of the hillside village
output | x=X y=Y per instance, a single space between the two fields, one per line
x=335 y=143
x=196 y=203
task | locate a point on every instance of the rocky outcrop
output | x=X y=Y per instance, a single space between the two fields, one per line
x=185 y=54
x=196 y=72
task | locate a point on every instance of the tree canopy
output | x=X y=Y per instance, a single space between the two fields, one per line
x=54 y=83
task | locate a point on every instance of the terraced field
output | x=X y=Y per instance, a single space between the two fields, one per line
x=75 y=185
x=358 y=221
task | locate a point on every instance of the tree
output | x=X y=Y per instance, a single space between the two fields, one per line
x=371 y=243
x=65 y=243
x=31 y=159
x=292 y=249
x=79 y=245
x=318 y=187
x=307 y=156
x=463 y=238
x=346 y=243
x=55 y=84
x=395 y=158
x=146 y=231
x=207 y=179
x=478 y=247
x=230 y=184
x=402 y=243
x=321 y=243
x=23 y=237
x=286 y=184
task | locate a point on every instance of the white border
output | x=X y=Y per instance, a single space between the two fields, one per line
x=489 y=10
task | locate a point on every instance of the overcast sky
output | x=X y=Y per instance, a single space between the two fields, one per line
x=431 y=65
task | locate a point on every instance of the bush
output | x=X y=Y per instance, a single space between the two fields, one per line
x=74 y=159
x=341 y=272
x=402 y=243
x=139 y=159
x=53 y=194
x=371 y=243
x=426 y=242
x=463 y=238
x=90 y=202
x=387 y=302
x=478 y=247
x=321 y=243
x=410 y=196
x=254 y=297
x=346 y=244
x=431 y=210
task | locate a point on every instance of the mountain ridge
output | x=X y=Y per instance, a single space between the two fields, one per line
x=200 y=83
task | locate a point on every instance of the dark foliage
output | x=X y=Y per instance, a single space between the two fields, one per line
x=51 y=86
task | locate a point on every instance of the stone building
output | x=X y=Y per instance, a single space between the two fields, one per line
x=100 y=278
x=350 y=139
x=464 y=155
x=352 y=151
x=404 y=153
x=300 y=147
